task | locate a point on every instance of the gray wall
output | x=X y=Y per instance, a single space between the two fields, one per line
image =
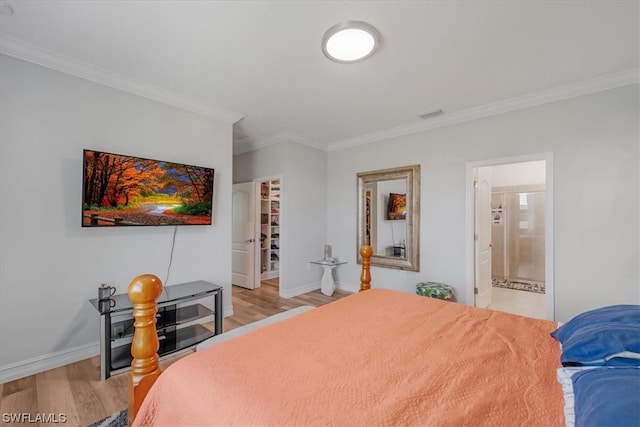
x=303 y=221
x=594 y=140
x=50 y=266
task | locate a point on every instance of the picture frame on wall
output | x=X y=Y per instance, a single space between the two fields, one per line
x=397 y=206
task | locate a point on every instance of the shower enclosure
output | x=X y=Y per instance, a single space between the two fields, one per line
x=517 y=233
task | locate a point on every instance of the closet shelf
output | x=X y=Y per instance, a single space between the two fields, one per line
x=270 y=227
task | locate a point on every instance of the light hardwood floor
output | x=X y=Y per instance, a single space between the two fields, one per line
x=76 y=391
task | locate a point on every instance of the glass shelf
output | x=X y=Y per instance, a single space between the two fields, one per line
x=170 y=295
x=166 y=318
x=170 y=342
x=179 y=322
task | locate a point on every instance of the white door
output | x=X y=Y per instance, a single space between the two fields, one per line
x=483 y=237
x=243 y=249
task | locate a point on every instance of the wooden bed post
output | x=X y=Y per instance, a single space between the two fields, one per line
x=365 y=275
x=143 y=292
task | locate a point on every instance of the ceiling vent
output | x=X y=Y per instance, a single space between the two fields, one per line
x=6 y=9
x=431 y=114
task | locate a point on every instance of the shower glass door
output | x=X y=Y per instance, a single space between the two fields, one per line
x=525 y=216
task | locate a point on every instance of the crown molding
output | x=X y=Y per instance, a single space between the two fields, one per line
x=246 y=144
x=47 y=58
x=609 y=81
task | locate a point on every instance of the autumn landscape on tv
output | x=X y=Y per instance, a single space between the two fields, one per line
x=125 y=190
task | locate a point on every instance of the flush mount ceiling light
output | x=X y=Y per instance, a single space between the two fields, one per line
x=350 y=41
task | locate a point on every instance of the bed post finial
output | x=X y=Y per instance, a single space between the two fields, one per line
x=365 y=276
x=143 y=292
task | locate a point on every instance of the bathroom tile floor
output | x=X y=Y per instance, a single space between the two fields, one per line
x=521 y=285
x=513 y=301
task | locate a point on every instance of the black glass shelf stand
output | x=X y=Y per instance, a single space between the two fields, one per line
x=182 y=311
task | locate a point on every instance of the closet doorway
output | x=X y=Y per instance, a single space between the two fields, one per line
x=256 y=233
x=512 y=267
x=270 y=229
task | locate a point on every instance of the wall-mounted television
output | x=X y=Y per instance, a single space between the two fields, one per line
x=121 y=190
x=397 y=207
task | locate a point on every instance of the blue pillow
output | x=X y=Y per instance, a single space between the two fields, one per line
x=624 y=313
x=607 y=397
x=608 y=336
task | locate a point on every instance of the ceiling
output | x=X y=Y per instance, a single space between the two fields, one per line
x=261 y=61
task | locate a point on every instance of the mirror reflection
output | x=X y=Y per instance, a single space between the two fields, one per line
x=386 y=228
x=388 y=216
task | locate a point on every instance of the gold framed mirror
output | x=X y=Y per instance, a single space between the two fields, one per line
x=389 y=217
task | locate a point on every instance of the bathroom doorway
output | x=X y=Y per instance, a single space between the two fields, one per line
x=515 y=274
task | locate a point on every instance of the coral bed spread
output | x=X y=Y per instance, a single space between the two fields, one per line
x=379 y=357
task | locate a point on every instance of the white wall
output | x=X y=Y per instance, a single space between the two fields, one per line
x=594 y=140
x=303 y=222
x=50 y=266
x=514 y=174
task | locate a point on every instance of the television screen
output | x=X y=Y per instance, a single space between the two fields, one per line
x=397 y=206
x=119 y=190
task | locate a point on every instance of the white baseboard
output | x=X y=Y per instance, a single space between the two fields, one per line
x=348 y=287
x=289 y=293
x=35 y=365
x=227 y=311
x=315 y=286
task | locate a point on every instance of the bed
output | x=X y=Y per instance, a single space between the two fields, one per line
x=378 y=357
